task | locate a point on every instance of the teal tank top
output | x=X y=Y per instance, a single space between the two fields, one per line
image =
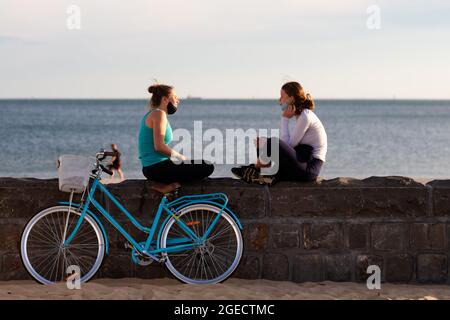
x=147 y=153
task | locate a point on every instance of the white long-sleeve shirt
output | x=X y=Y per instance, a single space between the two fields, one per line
x=308 y=130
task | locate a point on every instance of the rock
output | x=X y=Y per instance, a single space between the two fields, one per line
x=307 y=268
x=358 y=235
x=428 y=236
x=275 y=267
x=249 y=267
x=10 y=237
x=363 y=262
x=390 y=236
x=432 y=268
x=399 y=268
x=285 y=235
x=338 y=267
x=441 y=197
x=322 y=236
x=256 y=236
x=323 y=230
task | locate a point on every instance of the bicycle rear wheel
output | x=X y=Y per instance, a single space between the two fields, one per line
x=42 y=250
x=216 y=259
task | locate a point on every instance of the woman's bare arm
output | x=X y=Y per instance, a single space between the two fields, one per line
x=159 y=121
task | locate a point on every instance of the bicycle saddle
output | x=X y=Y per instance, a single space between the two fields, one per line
x=165 y=189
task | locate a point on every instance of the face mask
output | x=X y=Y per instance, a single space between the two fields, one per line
x=171 y=109
x=284 y=106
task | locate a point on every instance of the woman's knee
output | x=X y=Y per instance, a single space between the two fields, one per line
x=311 y=178
x=208 y=168
x=197 y=171
x=146 y=173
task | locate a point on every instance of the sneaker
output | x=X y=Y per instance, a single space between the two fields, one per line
x=246 y=173
x=251 y=174
x=266 y=180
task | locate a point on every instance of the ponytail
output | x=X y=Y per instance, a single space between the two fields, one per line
x=158 y=91
x=301 y=100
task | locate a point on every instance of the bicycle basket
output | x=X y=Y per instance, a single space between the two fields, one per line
x=73 y=173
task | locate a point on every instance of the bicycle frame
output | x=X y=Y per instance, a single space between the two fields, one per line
x=152 y=247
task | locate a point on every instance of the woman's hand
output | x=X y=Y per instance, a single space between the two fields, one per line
x=289 y=112
x=177 y=156
x=260 y=142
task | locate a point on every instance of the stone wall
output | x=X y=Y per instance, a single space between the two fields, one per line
x=329 y=230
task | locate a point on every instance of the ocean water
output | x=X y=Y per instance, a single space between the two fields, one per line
x=365 y=137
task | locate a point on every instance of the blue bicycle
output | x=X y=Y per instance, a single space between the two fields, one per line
x=199 y=239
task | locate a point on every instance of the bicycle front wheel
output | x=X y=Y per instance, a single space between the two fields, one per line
x=43 y=253
x=214 y=260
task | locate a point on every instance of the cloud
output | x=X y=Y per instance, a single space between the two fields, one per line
x=13 y=40
x=9 y=39
x=197 y=43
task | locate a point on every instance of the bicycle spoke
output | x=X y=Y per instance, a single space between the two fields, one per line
x=46 y=258
x=219 y=233
x=54 y=265
x=48 y=231
x=55 y=230
x=211 y=257
x=212 y=260
x=44 y=234
x=83 y=265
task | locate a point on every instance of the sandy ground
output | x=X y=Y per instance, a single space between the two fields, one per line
x=423 y=180
x=231 y=289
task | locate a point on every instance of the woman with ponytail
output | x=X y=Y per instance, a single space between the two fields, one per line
x=161 y=163
x=301 y=153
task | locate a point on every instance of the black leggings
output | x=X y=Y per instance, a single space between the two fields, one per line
x=289 y=168
x=168 y=172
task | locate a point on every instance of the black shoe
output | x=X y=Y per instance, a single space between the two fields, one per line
x=246 y=173
x=251 y=174
x=266 y=180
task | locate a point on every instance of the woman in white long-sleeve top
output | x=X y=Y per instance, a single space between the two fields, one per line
x=302 y=153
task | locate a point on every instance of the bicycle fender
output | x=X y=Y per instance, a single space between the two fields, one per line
x=234 y=217
x=96 y=220
x=219 y=205
x=228 y=210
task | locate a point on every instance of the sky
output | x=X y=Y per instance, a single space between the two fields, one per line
x=225 y=48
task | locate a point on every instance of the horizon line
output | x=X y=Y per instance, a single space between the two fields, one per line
x=207 y=98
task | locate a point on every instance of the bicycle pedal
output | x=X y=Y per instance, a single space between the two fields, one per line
x=128 y=245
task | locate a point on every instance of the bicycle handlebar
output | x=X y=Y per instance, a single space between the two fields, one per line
x=109 y=153
x=103 y=154
x=106 y=170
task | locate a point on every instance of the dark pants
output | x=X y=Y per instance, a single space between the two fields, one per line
x=289 y=166
x=168 y=172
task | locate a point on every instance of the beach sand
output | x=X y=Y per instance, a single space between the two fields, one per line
x=422 y=180
x=132 y=288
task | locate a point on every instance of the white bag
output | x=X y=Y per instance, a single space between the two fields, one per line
x=73 y=173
